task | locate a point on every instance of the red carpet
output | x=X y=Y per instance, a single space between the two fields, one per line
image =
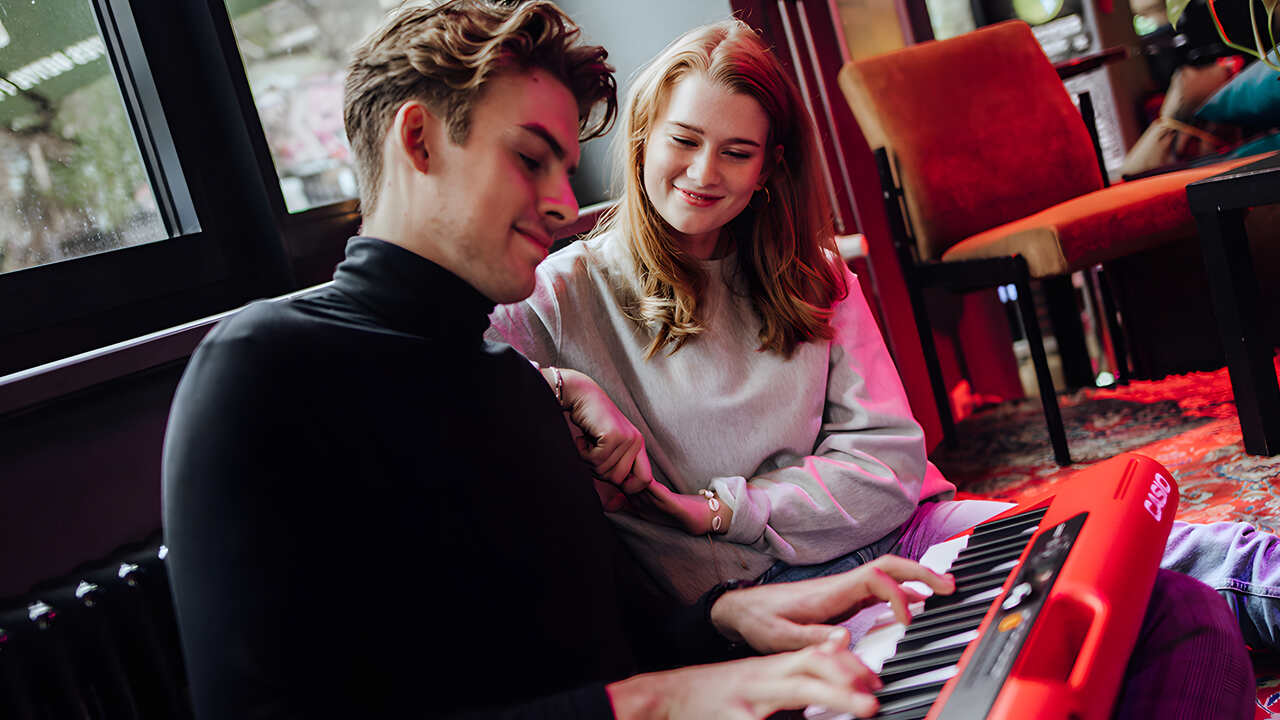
x=1188 y=423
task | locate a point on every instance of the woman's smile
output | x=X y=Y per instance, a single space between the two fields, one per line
x=698 y=199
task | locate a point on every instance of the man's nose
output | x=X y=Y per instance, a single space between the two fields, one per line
x=558 y=204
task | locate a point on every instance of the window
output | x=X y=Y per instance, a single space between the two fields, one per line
x=72 y=180
x=294 y=53
x=148 y=152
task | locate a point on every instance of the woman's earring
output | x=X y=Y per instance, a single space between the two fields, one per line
x=767 y=199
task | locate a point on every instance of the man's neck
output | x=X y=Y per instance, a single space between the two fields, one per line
x=394 y=230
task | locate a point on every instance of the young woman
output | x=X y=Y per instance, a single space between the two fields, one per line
x=712 y=308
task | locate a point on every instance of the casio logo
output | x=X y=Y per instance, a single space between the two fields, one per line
x=1157 y=496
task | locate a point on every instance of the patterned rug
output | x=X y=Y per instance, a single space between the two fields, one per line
x=1188 y=423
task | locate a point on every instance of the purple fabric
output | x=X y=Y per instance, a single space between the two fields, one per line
x=1190 y=661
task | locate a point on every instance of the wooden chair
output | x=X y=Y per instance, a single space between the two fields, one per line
x=990 y=178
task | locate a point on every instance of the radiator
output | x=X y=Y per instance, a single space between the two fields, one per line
x=98 y=644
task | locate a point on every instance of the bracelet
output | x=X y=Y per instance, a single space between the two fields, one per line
x=559 y=386
x=713 y=502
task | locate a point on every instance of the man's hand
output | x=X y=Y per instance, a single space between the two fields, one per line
x=609 y=442
x=826 y=674
x=785 y=616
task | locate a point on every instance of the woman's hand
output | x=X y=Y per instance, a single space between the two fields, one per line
x=826 y=674
x=615 y=450
x=786 y=616
x=609 y=442
x=691 y=513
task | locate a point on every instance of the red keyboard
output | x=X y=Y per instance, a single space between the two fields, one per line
x=1049 y=600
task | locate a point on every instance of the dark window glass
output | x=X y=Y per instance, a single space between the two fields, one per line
x=72 y=180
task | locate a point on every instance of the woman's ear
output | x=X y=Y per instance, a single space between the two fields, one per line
x=770 y=164
x=414 y=130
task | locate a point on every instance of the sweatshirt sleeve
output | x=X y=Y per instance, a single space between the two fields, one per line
x=863 y=477
x=531 y=326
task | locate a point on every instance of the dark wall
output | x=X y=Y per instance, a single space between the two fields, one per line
x=80 y=476
x=632 y=33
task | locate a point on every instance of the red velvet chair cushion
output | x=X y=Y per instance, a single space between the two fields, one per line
x=1099 y=226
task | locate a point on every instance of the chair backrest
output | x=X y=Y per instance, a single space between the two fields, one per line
x=980 y=126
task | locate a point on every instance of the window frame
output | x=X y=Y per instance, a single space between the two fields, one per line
x=180 y=92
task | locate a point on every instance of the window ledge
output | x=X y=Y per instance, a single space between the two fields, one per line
x=40 y=384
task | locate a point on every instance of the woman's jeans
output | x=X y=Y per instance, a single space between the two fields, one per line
x=1235 y=559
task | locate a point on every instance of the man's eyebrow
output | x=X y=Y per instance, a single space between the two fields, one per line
x=700 y=131
x=556 y=148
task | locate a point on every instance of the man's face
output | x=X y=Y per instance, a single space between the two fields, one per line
x=503 y=193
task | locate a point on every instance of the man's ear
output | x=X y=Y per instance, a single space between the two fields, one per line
x=415 y=132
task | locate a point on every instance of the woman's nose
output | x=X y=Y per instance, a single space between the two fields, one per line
x=703 y=169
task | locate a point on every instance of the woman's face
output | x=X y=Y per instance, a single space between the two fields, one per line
x=703 y=159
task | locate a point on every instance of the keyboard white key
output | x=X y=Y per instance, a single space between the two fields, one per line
x=882 y=639
x=880 y=643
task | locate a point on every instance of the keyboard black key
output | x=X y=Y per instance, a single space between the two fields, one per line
x=912 y=714
x=915 y=638
x=898 y=668
x=972 y=612
x=995 y=556
x=892 y=701
x=994 y=577
x=961 y=596
x=978 y=587
x=950 y=611
x=1013 y=529
x=924 y=654
x=1011 y=536
x=1033 y=516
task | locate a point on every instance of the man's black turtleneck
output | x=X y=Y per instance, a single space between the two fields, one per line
x=371 y=511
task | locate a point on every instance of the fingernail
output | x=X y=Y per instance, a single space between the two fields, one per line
x=835 y=636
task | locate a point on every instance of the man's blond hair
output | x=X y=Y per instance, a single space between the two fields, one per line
x=443 y=54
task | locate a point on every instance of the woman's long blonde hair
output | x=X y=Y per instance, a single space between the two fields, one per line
x=785 y=245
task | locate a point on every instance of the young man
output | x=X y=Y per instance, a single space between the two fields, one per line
x=372 y=512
